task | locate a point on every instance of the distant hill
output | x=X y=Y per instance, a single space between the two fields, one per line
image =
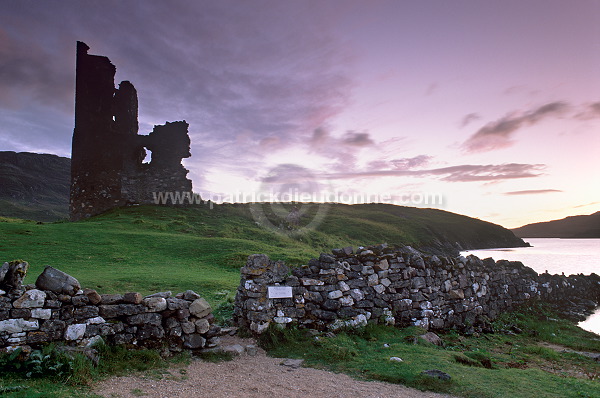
x=34 y=186
x=569 y=227
x=433 y=230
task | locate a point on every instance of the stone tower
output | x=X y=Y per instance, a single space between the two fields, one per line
x=107 y=154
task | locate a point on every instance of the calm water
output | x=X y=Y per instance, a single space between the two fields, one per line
x=571 y=256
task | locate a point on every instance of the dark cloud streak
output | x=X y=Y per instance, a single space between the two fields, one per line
x=499 y=134
x=410 y=163
x=468 y=119
x=357 y=139
x=460 y=173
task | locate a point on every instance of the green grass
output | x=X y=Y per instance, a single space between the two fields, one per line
x=149 y=249
x=480 y=366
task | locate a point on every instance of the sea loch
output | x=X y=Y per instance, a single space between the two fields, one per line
x=568 y=256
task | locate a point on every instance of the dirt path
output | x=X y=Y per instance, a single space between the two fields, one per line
x=560 y=348
x=246 y=376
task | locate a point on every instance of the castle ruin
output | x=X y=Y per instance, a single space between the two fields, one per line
x=107 y=155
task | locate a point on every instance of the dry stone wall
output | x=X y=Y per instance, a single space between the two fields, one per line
x=57 y=309
x=399 y=286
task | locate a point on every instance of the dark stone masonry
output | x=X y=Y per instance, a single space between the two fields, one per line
x=107 y=168
x=399 y=286
x=57 y=309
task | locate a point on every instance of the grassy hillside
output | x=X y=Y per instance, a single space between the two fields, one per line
x=34 y=186
x=569 y=227
x=149 y=248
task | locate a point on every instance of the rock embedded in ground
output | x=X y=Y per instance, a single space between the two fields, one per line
x=194 y=341
x=234 y=349
x=293 y=363
x=432 y=338
x=437 y=374
x=251 y=350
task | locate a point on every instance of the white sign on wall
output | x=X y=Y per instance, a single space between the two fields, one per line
x=280 y=292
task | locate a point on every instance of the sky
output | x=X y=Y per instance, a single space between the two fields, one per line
x=487 y=109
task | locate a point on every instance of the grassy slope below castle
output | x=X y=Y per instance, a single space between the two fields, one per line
x=149 y=248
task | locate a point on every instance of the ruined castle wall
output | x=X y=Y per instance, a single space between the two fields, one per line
x=107 y=168
x=399 y=287
x=95 y=165
x=56 y=309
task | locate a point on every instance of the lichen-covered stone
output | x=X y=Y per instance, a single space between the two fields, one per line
x=12 y=274
x=155 y=304
x=40 y=313
x=18 y=325
x=149 y=331
x=145 y=319
x=202 y=325
x=75 y=331
x=33 y=298
x=200 y=308
x=190 y=295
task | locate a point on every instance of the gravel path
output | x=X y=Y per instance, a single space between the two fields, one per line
x=246 y=376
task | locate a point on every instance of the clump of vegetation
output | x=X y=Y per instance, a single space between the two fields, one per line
x=216 y=356
x=39 y=363
x=481 y=357
x=465 y=360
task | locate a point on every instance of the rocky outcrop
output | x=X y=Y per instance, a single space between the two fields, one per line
x=399 y=286
x=34 y=186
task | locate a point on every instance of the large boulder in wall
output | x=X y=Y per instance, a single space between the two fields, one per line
x=57 y=281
